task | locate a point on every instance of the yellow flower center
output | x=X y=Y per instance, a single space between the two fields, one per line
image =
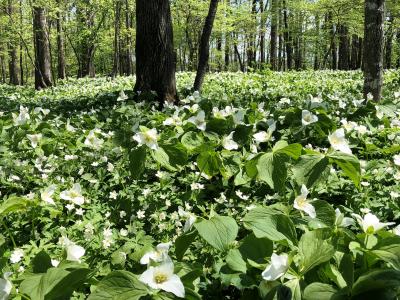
x=160 y=278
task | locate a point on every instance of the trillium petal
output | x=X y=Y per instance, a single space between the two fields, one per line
x=173 y=285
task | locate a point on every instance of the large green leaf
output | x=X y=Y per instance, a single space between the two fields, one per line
x=349 y=164
x=218 y=231
x=314 y=250
x=310 y=169
x=380 y=279
x=119 y=285
x=183 y=242
x=137 y=162
x=271 y=224
x=209 y=163
x=13 y=204
x=192 y=140
x=272 y=169
x=322 y=291
x=389 y=250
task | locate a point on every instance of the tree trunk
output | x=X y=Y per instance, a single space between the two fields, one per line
x=287 y=36
x=333 y=31
x=354 y=52
x=227 y=51
x=2 y=66
x=116 y=61
x=204 y=49
x=316 y=54
x=373 y=48
x=128 y=64
x=42 y=49
x=60 y=43
x=251 y=49
x=262 y=34
x=156 y=59
x=12 y=52
x=343 y=47
x=274 y=35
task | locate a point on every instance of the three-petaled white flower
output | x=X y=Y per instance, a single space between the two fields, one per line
x=74 y=194
x=199 y=120
x=122 y=96
x=339 y=142
x=190 y=218
x=228 y=143
x=5 y=286
x=301 y=203
x=35 y=139
x=162 y=277
x=158 y=255
x=93 y=141
x=277 y=268
x=308 y=118
x=74 y=252
x=341 y=220
x=370 y=223
x=147 y=137
x=47 y=194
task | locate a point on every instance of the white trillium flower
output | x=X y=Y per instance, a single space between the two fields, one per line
x=301 y=203
x=46 y=195
x=277 y=268
x=370 y=223
x=147 y=137
x=228 y=143
x=122 y=96
x=341 y=220
x=158 y=255
x=396 y=230
x=190 y=219
x=93 y=141
x=163 y=278
x=199 y=120
x=23 y=116
x=16 y=255
x=75 y=252
x=308 y=118
x=74 y=195
x=396 y=160
x=339 y=142
x=35 y=139
x=262 y=137
x=5 y=286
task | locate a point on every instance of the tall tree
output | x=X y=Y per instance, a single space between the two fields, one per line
x=43 y=77
x=288 y=38
x=12 y=49
x=204 y=49
x=344 y=48
x=273 y=60
x=60 y=42
x=117 y=47
x=155 y=56
x=373 y=48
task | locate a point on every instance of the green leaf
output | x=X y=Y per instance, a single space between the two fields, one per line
x=137 y=162
x=256 y=249
x=177 y=156
x=325 y=212
x=13 y=204
x=192 y=140
x=219 y=231
x=41 y=262
x=314 y=250
x=310 y=169
x=294 y=286
x=349 y=164
x=119 y=285
x=377 y=280
x=162 y=158
x=346 y=268
x=322 y=291
x=292 y=150
x=272 y=169
x=209 y=163
x=235 y=261
x=183 y=242
x=388 y=250
x=270 y=224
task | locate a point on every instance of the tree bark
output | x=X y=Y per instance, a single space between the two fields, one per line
x=12 y=52
x=227 y=51
x=316 y=54
x=60 y=43
x=2 y=66
x=288 y=39
x=274 y=35
x=204 y=49
x=117 y=47
x=156 y=59
x=333 y=31
x=128 y=64
x=262 y=34
x=354 y=52
x=43 y=77
x=344 y=52
x=373 y=48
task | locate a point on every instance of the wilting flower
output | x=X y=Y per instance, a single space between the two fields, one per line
x=308 y=118
x=199 y=120
x=46 y=195
x=16 y=255
x=339 y=142
x=74 y=195
x=75 y=252
x=370 y=223
x=341 y=220
x=147 y=137
x=277 y=268
x=228 y=143
x=190 y=219
x=5 y=286
x=301 y=203
x=35 y=139
x=159 y=255
x=162 y=277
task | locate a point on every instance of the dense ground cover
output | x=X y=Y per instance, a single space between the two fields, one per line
x=267 y=185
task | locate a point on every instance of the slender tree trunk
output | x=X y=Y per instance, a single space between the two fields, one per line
x=227 y=51
x=128 y=65
x=388 y=44
x=117 y=47
x=2 y=66
x=42 y=50
x=219 y=53
x=12 y=52
x=373 y=48
x=60 y=43
x=343 y=48
x=251 y=48
x=287 y=36
x=360 y=53
x=333 y=32
x=21 y=57
x=354 y=52
x=204 y=50
x=262 y=34
x=274 y=35
x=317 y=43
x=156 y=59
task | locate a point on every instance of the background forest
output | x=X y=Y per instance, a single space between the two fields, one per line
x=97 y=37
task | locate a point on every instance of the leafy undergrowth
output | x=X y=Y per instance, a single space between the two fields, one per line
x=266 y=186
